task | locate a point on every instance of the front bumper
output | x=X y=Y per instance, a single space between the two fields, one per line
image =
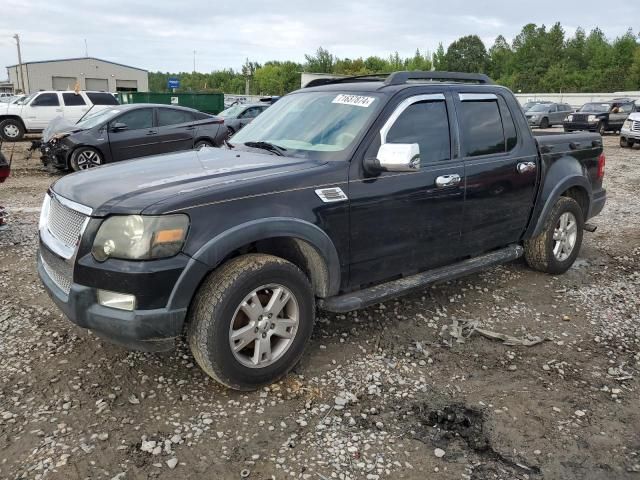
x=149 y=330
x=587 y=126
x=55 y=154
x=533 y=122
x=630 y=135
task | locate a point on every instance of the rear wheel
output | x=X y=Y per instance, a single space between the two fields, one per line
x=11 y=130
x=202 y=144
x=544 y=123
x=558 y=245
x=230 y=133
x=84 y=158
x=250 y=321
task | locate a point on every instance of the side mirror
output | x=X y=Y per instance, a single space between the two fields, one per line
x=398 y=157
x=118 y=127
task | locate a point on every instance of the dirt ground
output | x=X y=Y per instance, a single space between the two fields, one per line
x=379 y=393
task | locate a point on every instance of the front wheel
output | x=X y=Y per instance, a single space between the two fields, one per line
x=11 y=130
x=85 y=158
x=602 y=128
x=250 y=321
x=544 y=123
x=555 y=249
x=623 y=143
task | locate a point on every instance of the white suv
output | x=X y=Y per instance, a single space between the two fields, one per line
x=630 y=133
x=34 y=112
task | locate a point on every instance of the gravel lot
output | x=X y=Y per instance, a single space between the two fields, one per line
x=381 y=393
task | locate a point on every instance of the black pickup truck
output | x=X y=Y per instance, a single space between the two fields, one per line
x=341 y=195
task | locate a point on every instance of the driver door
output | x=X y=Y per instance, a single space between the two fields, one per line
x=137 y=138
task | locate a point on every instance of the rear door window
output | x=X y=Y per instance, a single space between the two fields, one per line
x=102 y=98
x=73 y=100
x=46 y=100
x=427 y=124
x=481 y=128
x=170 y=116
x=510 y=131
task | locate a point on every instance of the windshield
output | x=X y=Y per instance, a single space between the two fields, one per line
x=308 y=123
x=231 y=111
x=95 y=119
x=595 y=107
x=541 y=107
x=25 y=100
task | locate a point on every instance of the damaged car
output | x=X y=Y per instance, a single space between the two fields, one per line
x=125 y=132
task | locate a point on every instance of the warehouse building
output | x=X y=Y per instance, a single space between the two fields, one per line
x=88 y=72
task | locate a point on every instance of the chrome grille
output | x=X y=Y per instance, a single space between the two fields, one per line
x=580 y=117
x=64 y=223
x=60 y=271
x=635 y=126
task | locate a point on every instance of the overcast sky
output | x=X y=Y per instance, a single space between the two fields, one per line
x=162 y=35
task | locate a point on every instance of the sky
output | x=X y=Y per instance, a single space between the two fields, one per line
x=162 y=35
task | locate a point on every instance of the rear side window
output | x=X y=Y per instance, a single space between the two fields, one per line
x=72 y=99
x=481 y=128
x=102 y=98
x=136 y=119
x=510 y=131
x=169 y=116
x=427 y=124
x=46 y=100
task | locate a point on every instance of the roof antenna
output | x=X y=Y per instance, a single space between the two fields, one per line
x=86 y=49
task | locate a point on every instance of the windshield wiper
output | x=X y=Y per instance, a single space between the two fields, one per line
x=270 y=147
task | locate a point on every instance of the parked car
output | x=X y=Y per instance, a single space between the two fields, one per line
x=630 y=133
x=5 y=170
x=545 y=115
x=600 y=117
x=321 y=200
x=240 y=115
x=527 y=106
x=32 y=114
x=130 y=131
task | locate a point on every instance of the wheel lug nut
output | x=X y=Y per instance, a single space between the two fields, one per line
x=270 y=315
x=264 y=335
x=255 y=329
x=273 y=325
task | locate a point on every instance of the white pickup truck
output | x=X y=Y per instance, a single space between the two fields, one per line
x=33 y=113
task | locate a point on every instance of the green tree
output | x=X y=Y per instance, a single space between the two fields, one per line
x=418 y=62
x=467 y=54
x=321 y=62
x=440 y=59
x=500 y=59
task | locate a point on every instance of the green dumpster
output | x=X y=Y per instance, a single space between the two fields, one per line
x=205 y=102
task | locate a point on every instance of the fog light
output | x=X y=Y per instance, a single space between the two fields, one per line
x=120 y=301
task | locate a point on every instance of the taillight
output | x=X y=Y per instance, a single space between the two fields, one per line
x=601 y=162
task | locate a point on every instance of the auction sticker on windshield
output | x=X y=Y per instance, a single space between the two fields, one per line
x=356 y=100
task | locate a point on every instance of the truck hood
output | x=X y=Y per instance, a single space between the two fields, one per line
x=133 y=185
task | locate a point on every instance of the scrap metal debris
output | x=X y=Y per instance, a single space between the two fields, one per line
x=460 y=330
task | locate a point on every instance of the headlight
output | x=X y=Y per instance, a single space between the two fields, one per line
x=627 y=124
x=535 y=117
x=44 y=212
x=139 y=237
x=591 y=118
x=570 y=118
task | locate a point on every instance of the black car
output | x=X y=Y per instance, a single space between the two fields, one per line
x=338 y=196
x=130 y=131
x=600 y=117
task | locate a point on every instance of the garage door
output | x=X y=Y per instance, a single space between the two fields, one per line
x=98 y=84
x=63 y=83
x=126 y=85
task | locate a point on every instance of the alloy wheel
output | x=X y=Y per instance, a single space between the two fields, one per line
x=264 y=325
x=564 y=236
x=11 y=131
x=88 y=159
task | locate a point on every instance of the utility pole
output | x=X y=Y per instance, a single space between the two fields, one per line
x=194 y=61
x=86 y=49
x=21 y=77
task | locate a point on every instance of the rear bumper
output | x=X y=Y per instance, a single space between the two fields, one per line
x=597 y=203
x=149 y=330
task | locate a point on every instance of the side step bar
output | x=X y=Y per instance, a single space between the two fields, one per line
x=386 y=291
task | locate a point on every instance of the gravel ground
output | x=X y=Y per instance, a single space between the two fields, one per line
x=381 y=393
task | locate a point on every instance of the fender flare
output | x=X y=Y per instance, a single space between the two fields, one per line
x=212 y=253
x=550 y=198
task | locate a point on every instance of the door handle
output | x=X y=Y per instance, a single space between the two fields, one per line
x=447 y=180
x=152 y=132
x=526 y=167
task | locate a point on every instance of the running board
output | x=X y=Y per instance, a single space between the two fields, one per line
x=386 y=291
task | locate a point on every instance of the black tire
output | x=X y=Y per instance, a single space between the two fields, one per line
x=602 y=128
x=11 y=130
x=84 y=158
x=202 y=144
x=568 y=130
x=544 y=123
x=216 y=306
x=624 y=143
x=539 y=251
x=230 y=133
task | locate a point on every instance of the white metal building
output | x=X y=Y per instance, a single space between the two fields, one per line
x=90 y=73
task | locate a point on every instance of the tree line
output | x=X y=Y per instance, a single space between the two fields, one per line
x=539 y=59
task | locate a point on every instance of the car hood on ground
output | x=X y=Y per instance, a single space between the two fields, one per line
x=132 y=186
